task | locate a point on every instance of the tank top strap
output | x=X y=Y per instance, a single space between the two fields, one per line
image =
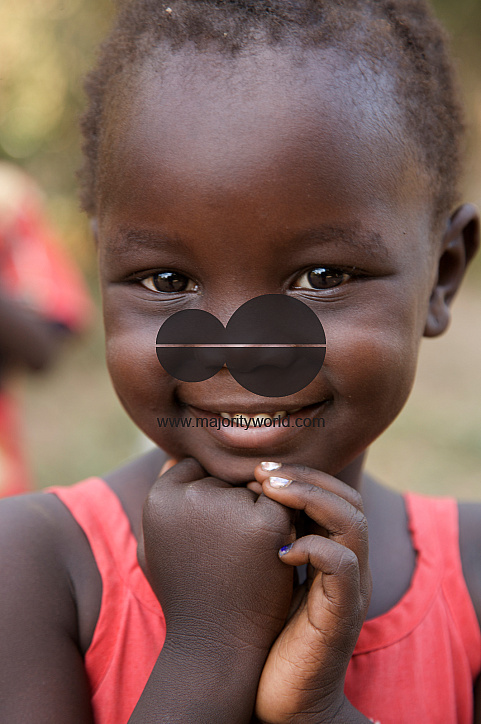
x=127 y=601
x=99 y=512
x=434 y=527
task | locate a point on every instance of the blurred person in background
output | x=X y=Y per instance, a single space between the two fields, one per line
x=43 y=302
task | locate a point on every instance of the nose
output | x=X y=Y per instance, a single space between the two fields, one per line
x=273 y=371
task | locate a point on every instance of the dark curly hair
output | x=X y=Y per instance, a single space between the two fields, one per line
x=400 y=36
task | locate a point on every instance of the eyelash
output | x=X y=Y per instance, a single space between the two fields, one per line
x=346 y=274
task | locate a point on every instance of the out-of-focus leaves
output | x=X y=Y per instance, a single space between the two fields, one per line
x=47 y=46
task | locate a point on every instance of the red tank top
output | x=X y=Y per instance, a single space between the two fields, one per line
x=417 y=662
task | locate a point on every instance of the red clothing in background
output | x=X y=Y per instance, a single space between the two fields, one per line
x=36 y=272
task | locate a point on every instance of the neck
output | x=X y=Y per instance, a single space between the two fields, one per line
x=352 y=474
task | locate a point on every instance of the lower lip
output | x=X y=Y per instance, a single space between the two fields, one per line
x=259 y=437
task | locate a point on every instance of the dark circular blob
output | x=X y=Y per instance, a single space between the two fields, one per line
x=274 y=371
x=191 y=326
x=187 y=328
x=275 y=319
x=269 y=371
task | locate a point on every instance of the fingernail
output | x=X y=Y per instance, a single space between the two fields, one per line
x=285 y=549
x=279 y=482
x=270 y=466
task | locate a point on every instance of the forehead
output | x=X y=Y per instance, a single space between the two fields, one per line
x=262 y=122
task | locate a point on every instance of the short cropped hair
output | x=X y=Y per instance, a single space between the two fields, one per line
x=402 y=36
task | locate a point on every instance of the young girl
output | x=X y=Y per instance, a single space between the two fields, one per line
x=237 y=149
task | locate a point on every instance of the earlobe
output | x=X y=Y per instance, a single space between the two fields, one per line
x=459 y=245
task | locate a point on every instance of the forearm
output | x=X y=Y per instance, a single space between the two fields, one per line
x=193 y=683
x=345 y=713
x=25 y=338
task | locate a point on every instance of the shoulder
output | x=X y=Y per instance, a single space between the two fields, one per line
x=470 y=550
x=45 y=556
x=31 y=555
x=38 y=612
x=30 y=527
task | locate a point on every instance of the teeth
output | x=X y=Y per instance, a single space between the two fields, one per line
x=256 y=416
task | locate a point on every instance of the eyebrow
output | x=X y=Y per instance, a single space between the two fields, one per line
x=126 y=240
x=370 y=242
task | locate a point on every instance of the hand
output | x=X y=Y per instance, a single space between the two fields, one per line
x=306 y=667
x=209 y=551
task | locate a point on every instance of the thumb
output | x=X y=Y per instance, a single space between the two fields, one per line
x=167 y=465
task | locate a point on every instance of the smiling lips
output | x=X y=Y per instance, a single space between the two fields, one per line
x=256 y=429
x=261 y=416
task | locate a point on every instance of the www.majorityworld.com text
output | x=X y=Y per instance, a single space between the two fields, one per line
x=240 y=421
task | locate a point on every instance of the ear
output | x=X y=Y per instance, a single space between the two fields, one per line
x=94 y=229
x=460 y=243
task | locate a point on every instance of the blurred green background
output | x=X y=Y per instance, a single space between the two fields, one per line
x=74 y=425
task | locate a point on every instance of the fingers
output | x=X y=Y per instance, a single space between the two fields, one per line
x=309 y=475
x=344 y=522
x=329 y=502
x=171 y=477
x=341 y=580
x=174 y=471
x=167 y=465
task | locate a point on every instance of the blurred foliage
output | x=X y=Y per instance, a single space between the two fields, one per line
x=46 y=46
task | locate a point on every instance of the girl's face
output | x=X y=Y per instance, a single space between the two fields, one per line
x=238 y=177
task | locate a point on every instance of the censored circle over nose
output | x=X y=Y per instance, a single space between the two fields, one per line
x=275 y=319
x=191 y=327
x=269 y=371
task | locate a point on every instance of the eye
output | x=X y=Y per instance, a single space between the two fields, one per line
x=322 y=278
x=168 y=281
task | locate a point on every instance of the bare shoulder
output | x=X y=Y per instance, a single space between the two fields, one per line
x=31 y=527
x=41 y=664
x=470 y=549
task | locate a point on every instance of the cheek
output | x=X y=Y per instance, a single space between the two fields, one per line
x=145 y=390
x=142 y=385
x=372 y=366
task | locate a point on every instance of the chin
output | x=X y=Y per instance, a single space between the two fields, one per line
x=234 y=470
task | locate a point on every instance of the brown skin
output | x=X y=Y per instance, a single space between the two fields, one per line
x=231 y=165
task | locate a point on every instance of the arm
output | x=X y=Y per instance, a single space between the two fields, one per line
x=210 y=553
x=303 y=679
x=42 y=677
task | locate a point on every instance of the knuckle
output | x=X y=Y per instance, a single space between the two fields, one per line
x=358 y=524
x=278 y=523
x=310 y=542
x=299 y=469
x=348 y=562
x=194 y=490
x=149 y=512
x=356 y=499
x=314 y=491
